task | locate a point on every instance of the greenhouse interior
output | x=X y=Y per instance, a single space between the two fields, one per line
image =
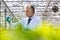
x=12 y=12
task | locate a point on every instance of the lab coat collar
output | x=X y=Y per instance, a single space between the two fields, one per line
x=31 y=17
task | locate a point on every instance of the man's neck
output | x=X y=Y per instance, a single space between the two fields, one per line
x=31 y=16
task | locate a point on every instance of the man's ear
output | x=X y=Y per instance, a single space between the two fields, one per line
x=31 y=10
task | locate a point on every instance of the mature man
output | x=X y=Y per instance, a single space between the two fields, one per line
x=31 y=21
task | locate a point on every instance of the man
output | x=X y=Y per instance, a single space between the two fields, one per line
x=31 y=21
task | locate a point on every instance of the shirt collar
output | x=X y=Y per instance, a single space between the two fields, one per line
x=31 y=17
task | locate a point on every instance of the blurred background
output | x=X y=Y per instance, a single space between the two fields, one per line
x=15 y=9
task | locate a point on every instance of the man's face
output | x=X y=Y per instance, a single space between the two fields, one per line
x=28 y=11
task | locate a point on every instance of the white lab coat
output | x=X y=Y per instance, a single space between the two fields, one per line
x=32 y=25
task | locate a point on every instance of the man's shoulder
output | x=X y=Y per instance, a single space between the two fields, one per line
x=37 y=18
